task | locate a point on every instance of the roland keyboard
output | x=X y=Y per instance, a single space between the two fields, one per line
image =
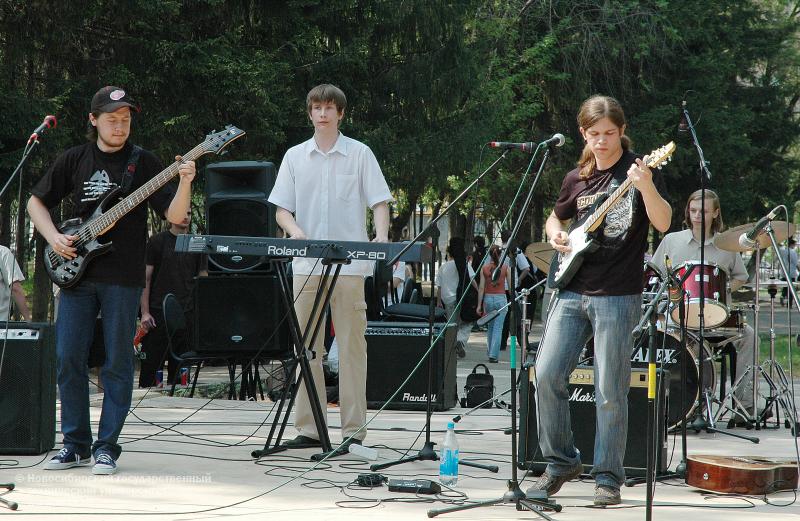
x=319 y=249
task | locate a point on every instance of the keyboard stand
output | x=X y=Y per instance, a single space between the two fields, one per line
x=302 y=339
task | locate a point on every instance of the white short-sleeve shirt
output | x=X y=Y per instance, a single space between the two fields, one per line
x=329 y=194
x=10 y=272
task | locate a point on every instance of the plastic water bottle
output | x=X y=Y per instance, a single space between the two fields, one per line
x=448 y=459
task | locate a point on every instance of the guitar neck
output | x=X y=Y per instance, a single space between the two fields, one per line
x=597 y=216
x=138 y=196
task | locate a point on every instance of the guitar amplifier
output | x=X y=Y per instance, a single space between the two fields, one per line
x=583 y=421
x=394 y=349
x=27 y=388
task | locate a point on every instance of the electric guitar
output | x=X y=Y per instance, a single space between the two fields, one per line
x=749 y=475
x=582 y=234
x=68 y=272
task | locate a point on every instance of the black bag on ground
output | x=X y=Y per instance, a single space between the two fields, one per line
x=479 y=387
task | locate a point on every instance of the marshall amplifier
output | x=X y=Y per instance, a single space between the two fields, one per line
x=582 y=414
x=394 y=349
x=27 y=388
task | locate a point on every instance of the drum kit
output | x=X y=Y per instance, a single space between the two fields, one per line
x=724 y=323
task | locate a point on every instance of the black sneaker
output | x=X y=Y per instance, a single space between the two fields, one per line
x=605 y=496
x=301 y=442
x=552 y=484
x=66 y=459
x=460 y=351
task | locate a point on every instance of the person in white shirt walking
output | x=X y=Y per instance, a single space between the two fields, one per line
x=453 y=275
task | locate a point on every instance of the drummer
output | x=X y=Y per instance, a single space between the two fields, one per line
x=684 y=246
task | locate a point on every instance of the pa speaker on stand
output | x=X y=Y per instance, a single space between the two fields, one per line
x=236 y=204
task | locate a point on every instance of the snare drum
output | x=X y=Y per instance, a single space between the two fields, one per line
x=714 y=280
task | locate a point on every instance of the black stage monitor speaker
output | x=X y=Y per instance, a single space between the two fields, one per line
x=236 y=204
x=241 y=314
x=27 y=388
x=583 y=419
x=394 y=349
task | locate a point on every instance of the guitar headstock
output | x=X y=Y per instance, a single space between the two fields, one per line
x=658 y=157
x=216 y=141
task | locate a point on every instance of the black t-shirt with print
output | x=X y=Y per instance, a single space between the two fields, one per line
x=83 y=175
x=616 y=268
x=173 y=272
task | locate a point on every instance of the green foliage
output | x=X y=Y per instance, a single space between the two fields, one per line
x=428 y=83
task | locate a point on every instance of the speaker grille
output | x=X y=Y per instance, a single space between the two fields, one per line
x=236 y=204
x=241 y=313
x=244 y=218
x=28 y=390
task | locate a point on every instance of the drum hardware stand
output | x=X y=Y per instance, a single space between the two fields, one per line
x=785 y=392
x=513 y=493
x=426 y=453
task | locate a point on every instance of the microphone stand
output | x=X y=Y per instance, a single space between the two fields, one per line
x=705 y=419
x=427 y=453
x=514 y=494
x=29 y=148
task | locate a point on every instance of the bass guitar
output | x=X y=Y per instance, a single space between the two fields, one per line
x=582 y=234
x=68 y=272
x=749 y=475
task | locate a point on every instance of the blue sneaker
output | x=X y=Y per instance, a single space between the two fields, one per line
x=104 y=464
x=66 y=459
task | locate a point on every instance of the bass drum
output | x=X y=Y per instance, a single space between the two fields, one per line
x=668 y=350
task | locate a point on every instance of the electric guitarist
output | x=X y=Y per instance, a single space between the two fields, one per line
x=112 y=283
x=603 y=299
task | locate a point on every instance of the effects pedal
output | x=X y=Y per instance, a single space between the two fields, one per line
x=415 y=486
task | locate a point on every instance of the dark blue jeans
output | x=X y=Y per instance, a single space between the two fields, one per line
x=77 y=311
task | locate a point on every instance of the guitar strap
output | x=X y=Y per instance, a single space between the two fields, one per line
x=130 y=169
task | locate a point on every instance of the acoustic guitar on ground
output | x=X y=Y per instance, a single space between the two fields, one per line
x=750 y=475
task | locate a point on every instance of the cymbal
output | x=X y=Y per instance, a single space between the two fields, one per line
x=729 y=239
x=540 y=253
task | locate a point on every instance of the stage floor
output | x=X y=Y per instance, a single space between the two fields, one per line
x=189 y=458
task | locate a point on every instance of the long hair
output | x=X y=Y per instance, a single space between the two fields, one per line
x=593 y=110
x=716 y=225
x=494 y=254
x=459 y=256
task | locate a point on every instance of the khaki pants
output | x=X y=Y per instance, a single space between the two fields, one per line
x=348 y=312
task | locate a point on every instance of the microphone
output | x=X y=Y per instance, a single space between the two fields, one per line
x=558 y=140
x=748 y=240
x=49 y=122
x=528 y=146
x=675 y=289
x=683 y=126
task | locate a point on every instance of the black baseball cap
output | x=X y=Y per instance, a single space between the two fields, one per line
x=110 y=98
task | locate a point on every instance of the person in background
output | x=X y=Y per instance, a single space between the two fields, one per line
x=452 y=275
x=167 y=271
x=11 y=287
x=524 y=278
x=789 y=255
x=492 y=297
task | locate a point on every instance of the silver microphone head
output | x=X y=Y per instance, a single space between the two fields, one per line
x=559 y=139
